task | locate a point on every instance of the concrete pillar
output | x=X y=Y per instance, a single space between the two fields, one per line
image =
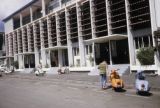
x=80 y=38
x=93 y=28
x=14 y=45
x=48 y=58
x=28 y=37
x=31 y=14
x=21 y=61
x=23 y=40
x=57 y=29
x=155 y=23
x=108 y=12
x=43 y=8
x=49 y=31
x=110 y=53
x=41 y=34
x=43 y=56
x=9 y=44
x=60 y=60
x=60 y=3
x=43 y=51
x=69 y=43
x=92 y=18
x=18 y=41
x=21 y=20
x=37 y=56
x=108 y=18
x=130 y=37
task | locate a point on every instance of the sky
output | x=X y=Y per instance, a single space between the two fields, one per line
x=7 y=7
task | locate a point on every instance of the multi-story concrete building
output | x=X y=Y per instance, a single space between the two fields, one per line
x=2 y=46
x=81 y=33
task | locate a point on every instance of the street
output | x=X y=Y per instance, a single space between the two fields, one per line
x=37 y=93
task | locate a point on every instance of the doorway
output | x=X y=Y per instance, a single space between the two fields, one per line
x=29 y=61
x=120 y=52
x=102 y=52
x=54 y=58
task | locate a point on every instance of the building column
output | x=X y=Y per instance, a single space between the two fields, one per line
x=49 y=31
x=14 y=45
x=23 y=40
x=93 y=28
x=108 y=18
x=9 y=44
x=155 y=24
x=69 y=43
x=37 y=55
x=20 y=57
x=43 y=8
x=108 y=12
x=130 y=36
x=28 y=37
x=49 y=41
x=21 y=20
x=80 y=38
x=58 y=41
x=60 y=60
x=31 y=14
x=43 y=51
x=57 y=29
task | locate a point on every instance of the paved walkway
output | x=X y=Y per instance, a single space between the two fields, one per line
x=83 y=78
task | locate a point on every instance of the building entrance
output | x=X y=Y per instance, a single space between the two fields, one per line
x=120 y=52
x=65 y=57
x=102 y=52
x=54 y=58
x=116 y=52
x=29 y=61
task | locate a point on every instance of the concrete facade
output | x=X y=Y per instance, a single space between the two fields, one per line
x=76 y=33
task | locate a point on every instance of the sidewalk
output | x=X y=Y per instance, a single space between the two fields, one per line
x=83 y=78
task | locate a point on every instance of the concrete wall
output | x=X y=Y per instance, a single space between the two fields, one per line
x=8 y=26
x=157 y=8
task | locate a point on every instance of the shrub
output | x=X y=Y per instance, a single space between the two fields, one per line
x=146 y=56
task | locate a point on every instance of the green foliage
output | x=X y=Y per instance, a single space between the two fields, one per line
x=146 y=56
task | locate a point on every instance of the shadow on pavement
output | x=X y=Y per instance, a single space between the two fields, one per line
x=145 y=94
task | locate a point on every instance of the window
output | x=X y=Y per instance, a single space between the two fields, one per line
x=76 y=51
x=88 y=49
x=53 y=4
x=146 y=41
x=143 y=41
x=64 y=1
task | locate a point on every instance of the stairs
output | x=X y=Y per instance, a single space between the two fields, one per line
x=53 y=70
